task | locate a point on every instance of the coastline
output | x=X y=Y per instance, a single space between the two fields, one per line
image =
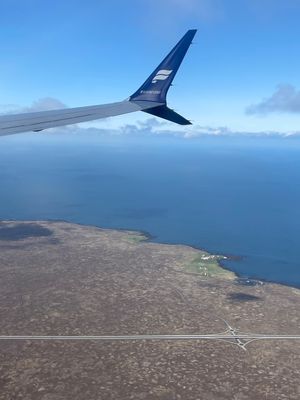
x=61 y=279
x=146 y=236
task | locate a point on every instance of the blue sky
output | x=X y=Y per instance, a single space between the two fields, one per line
x=243 y=72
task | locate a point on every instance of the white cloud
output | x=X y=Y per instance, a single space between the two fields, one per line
x=286 y=99
x=43 y=104
x=154 y=127
x=7 y=108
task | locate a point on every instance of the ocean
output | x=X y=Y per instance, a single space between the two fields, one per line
x=236 y=196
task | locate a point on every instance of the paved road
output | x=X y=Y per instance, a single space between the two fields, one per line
x=243 y=337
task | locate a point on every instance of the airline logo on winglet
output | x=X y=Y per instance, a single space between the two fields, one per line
x=162 y=75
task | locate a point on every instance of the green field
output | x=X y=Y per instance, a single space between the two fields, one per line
x=208 y=266
x=136 y=238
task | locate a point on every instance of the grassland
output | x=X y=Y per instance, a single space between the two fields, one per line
x=207 y=265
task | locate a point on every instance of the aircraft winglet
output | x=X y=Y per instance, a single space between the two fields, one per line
x=156 y=86
x=150 y=98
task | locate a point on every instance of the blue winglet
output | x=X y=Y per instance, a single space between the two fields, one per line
x=168 y=114
x=155 y=88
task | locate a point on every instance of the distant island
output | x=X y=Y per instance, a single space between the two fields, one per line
x=59 y=278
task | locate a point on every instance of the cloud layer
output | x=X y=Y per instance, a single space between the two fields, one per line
x=286 y=99
x=43 y=104
x=153 y=127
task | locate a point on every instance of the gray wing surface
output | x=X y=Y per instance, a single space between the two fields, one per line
x=150 y=98
x=37 y=121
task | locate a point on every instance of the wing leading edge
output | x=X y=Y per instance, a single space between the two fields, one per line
x=150 y=98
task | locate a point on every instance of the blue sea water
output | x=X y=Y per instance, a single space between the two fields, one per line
x=238 y=196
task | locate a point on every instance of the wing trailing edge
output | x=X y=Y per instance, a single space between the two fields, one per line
x=168 y=114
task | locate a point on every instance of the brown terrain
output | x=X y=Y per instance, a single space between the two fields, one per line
x=59 y=278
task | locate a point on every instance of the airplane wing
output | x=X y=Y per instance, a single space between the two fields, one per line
x=150 y=98
x=37 y=121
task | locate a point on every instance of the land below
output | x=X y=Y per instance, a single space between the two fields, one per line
x=59 y=278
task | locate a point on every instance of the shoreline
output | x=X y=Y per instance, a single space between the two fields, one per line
x=65 y=279
x=148 y=237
